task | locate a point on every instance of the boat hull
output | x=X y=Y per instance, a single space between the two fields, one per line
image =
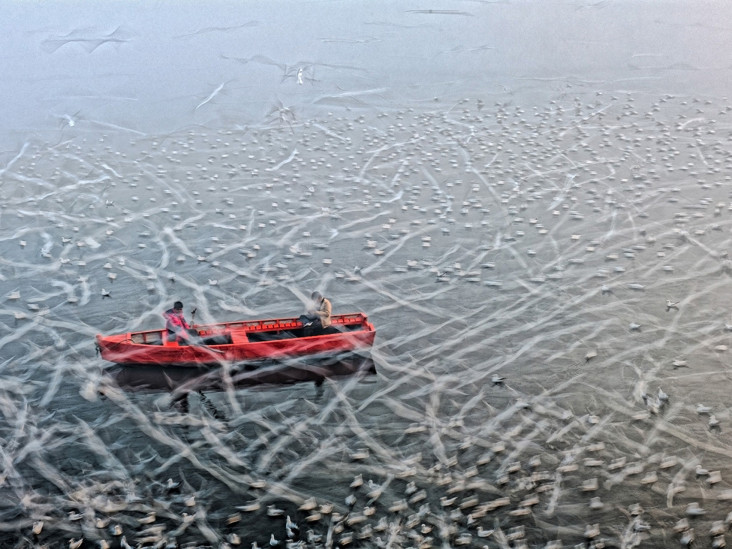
x=240 y=341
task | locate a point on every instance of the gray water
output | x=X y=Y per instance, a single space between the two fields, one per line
x=531 y=201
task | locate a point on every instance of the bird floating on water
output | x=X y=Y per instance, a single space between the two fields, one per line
x=693 y=509
x=702 y=410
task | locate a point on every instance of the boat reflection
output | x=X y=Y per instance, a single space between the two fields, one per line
x=181 y=380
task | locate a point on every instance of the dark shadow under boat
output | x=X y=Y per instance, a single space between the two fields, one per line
x=282 y=372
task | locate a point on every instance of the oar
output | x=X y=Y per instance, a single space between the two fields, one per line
x=201 y=344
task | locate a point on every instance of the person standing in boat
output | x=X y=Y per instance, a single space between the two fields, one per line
x=175 y=323
x=319 y=312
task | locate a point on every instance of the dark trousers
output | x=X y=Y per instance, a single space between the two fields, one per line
x=183 y=340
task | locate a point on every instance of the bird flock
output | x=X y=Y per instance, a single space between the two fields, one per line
x=548 y=282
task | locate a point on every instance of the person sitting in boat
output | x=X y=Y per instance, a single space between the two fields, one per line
x=318 y=315
x=178 y=329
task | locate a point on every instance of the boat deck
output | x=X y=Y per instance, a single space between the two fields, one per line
x=251 y=331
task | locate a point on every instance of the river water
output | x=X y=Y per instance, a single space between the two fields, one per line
x=530 y=200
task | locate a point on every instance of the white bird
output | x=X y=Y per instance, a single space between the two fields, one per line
x=592 y=531
x=687 y=537
x=714 y=477
x=671 y=305
x=273 y=511
x=149 y=519
x=273 y=542
x=291 y=527
x=701 y=409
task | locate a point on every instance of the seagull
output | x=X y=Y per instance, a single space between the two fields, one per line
x=308 y=505
x=694 y=510
x=652 y=405
x=357 y=481
x=497 y=380
x=687 y=537
x=672 y=305
x=291 y=527
x=105 y=293
x=714 y=477
x=149 y=519
x=592 y=531
x=273 y=511
x=701 y=409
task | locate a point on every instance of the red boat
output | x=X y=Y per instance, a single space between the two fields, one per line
x=239 y=341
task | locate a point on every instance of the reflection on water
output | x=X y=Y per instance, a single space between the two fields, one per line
x=539 y=230
x=181 y=380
